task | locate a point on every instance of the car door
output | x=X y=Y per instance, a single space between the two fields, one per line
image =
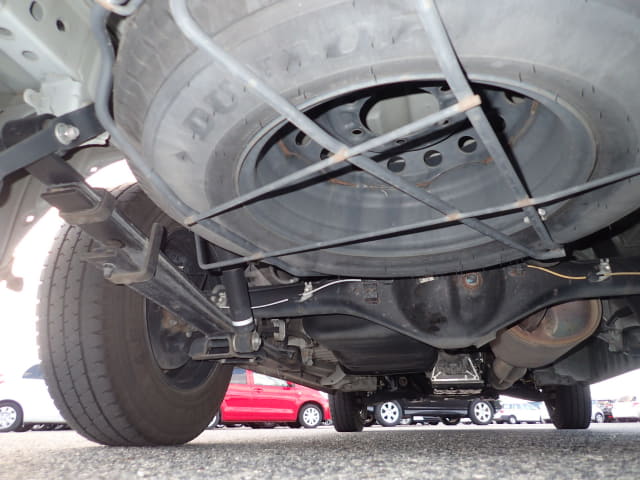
x=274 y=399
x=237 y=405
x=36 y=402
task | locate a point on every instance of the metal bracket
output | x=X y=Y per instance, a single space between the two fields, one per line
x=100 y=212
x=602 y=273
x=61 y=133
x=149 y=263
x=128 y=257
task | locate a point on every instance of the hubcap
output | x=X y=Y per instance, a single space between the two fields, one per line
x=389 y=412
x=8 y=416
x=482 y=411
x=311 y=416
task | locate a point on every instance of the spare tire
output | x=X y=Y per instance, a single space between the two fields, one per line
x=564 y=106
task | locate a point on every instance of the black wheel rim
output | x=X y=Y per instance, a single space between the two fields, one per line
x=170 y=338
x=448 y=161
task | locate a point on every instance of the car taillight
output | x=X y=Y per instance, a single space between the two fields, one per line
x=635 y=404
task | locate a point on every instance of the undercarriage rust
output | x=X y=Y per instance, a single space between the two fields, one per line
x=541 y=339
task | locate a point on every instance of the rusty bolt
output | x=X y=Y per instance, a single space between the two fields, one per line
x=471 y=279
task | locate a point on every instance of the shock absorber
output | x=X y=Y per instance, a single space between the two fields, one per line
x=245 y=339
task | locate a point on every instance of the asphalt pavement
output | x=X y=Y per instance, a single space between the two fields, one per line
x=413 y=452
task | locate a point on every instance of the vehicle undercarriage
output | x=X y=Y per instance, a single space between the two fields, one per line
x=381 y=210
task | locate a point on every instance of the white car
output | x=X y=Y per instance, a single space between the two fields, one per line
x=518 y=412
x=25 y=402
x=627 y=408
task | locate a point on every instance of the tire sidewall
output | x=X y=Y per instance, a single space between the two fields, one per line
x=129 y=357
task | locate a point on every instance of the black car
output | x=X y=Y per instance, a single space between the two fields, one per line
x=434 y=410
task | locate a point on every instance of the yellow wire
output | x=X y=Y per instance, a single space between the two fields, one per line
x=568 y=277
x=556 y=274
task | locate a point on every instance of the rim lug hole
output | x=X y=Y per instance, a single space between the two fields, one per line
x=433 y=158
x=396 y=164
x=467 y=144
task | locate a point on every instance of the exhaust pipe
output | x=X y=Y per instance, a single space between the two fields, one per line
x=541 y=339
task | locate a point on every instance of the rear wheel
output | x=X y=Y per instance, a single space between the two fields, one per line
x=369 y=420
x=389 y=414
x=215 y=421
x=569 y=406
x=451 y=420
x=25 y=427
x=481 y=412
x=110 y=381
x=599 y=418
x=360 y=69
x=310 y=416
x=10 y=416
x=346 y=411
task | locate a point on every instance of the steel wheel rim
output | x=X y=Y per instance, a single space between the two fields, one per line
x=8 y=416
x=170 y=337
x=389 y=412
x=311 y=416
x=482 y=411
x=284 y=149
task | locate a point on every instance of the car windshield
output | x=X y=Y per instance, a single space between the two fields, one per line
x=33 y=372
x=239 y=375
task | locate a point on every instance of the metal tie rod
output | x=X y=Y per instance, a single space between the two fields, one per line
x=192 y=31
x=336 y=158
x=455 y=76
x=414 y=227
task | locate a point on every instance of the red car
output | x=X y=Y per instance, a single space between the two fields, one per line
x=259 y=400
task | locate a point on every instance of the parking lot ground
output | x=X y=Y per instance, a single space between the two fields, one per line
x=420 y=452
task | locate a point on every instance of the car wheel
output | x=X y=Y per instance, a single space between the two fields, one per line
x=451 y=420
x=433 y=423
x=369 y=420
x=107 y=379
x=341 y=61
x=25 y=427
x=389 y=414
x=481 y=412
x=569 y=406
x=215 y=421
x=10 y=416
x=310 y=416
x=599 y=418
x=512 y=420
x=261 y=425
x=347 y=411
